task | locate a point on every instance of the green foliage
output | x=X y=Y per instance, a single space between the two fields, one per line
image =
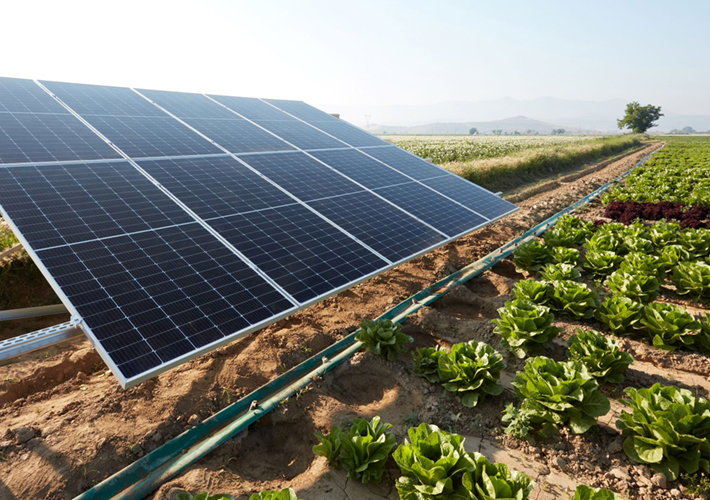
x=639 y=118
x=531 y=256
x=601 y=355
x=636 y=239
x=601 y=262
x=384 y=338
x=634 y=285
x=286 y=494
x=553 y=394
x=425 y=362
x=563 y=255
x=435 y=465
x=663 y=233
x=619 y=314
x=7 y=238
x=607 y=240
x=519 y=425
x=668 y=326
x=561 y=237
x=702 y=340
x=692 y=278
x=668 y=429
x=362 y=450
x=525 y=326
x=584 y=492
x=696 y=241
x=673 y=254
x=471 y=369
x=532 y=290
x=575 y=300
x=643 y=263
x=560 y=272
x=206 y=496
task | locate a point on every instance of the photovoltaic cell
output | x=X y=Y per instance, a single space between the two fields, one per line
x=100 y=100
x=67 y=203
x=25 y=96
x=301 y=110
x=253 y=109
x=347 y=133
x=303 y=253
x=150 y=298
x=383 y=227
x=471 y=195
x=300 y=134
x=187 y=105
x=361 y=168
x=405 y=162
x=431 y=207
x=238 y=136
x=216 y=186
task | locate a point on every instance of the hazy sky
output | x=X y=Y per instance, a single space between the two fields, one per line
x=371 y=52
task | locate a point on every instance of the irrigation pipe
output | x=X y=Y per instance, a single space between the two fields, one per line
x=146 y=474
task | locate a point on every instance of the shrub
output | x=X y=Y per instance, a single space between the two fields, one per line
x=601 y=262
x=563 y=255
x=584 y=492
x=287 y=494
x=525 y=326
x=692 y=278
x=471 y=369
x=668 y=429
x=560 y=272
x=384 y=338
x=576 y=300
x=619 y=314
x=532 y=290
x=531 y=256
x=425 y=361
x=668 y=326
x=554 y=394
x=643 y=263
x=364 y=448
x=601 y=355
x=640 y=287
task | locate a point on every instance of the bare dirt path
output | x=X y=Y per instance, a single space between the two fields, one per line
x=80 y=427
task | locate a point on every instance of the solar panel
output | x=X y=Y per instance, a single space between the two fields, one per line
x=219 y=215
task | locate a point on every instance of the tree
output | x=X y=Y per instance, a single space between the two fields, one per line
x=558 y=131
x=639 y=118
x=687 y=130
x=472 y=131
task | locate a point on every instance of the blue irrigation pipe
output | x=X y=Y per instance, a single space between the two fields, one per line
x=146 y=474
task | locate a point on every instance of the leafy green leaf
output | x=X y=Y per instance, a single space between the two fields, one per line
x=525 y=326
x=601 y=355
x=384 y=338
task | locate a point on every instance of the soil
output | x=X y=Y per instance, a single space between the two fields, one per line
x=65 y=424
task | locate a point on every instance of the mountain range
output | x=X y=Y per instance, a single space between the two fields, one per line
x=544 y=113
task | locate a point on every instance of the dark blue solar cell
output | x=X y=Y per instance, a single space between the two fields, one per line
x=361 y=168
x=101 y=100
x=151 y=297
x=300 y=134
x=301 y=175
x=432 y=208
x=28 y=138
x=472 y=196
x=348 y=133
x=142 y=137
x=238 y=136
x=25 y=96
x=303 y=253
x=215 y=186
x=68 y=203
x=301 y=110
x=187 y=105
x=386 y=229
x=252 y=108
x=405 y=162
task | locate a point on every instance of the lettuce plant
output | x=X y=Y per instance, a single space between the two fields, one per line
x=497 y=481
x=286 y=494
x=606 y=240
x=696 y=241
x=601 y=355
x=471 y=369
x=601 y=262
x=575 y=300
x=692 y=278
x=668 y=428
x=553 y=394
x=634 y=285
x=531 y=256
x=362 y=450
x=673 y=254
x=619 y=314
x=702 y=339
x=433 y=465
x=668 y=326
x=561 y=237
x=560 y=272
x=643 y=263
x=663 y=233
x=636 y=239
x=525 y=326
x=532 y=290
x=564 y=255
x=425 y=362
x=384 y=338
x=584 y=492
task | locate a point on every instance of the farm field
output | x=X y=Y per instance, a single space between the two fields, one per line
x=85 y=427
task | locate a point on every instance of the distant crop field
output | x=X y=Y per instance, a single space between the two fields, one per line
x=448 y=148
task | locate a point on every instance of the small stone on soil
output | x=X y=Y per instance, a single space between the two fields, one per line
x=194 y=420
x=659 y=479
x=24 y=434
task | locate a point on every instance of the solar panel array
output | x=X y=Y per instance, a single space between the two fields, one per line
x=171 y=223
